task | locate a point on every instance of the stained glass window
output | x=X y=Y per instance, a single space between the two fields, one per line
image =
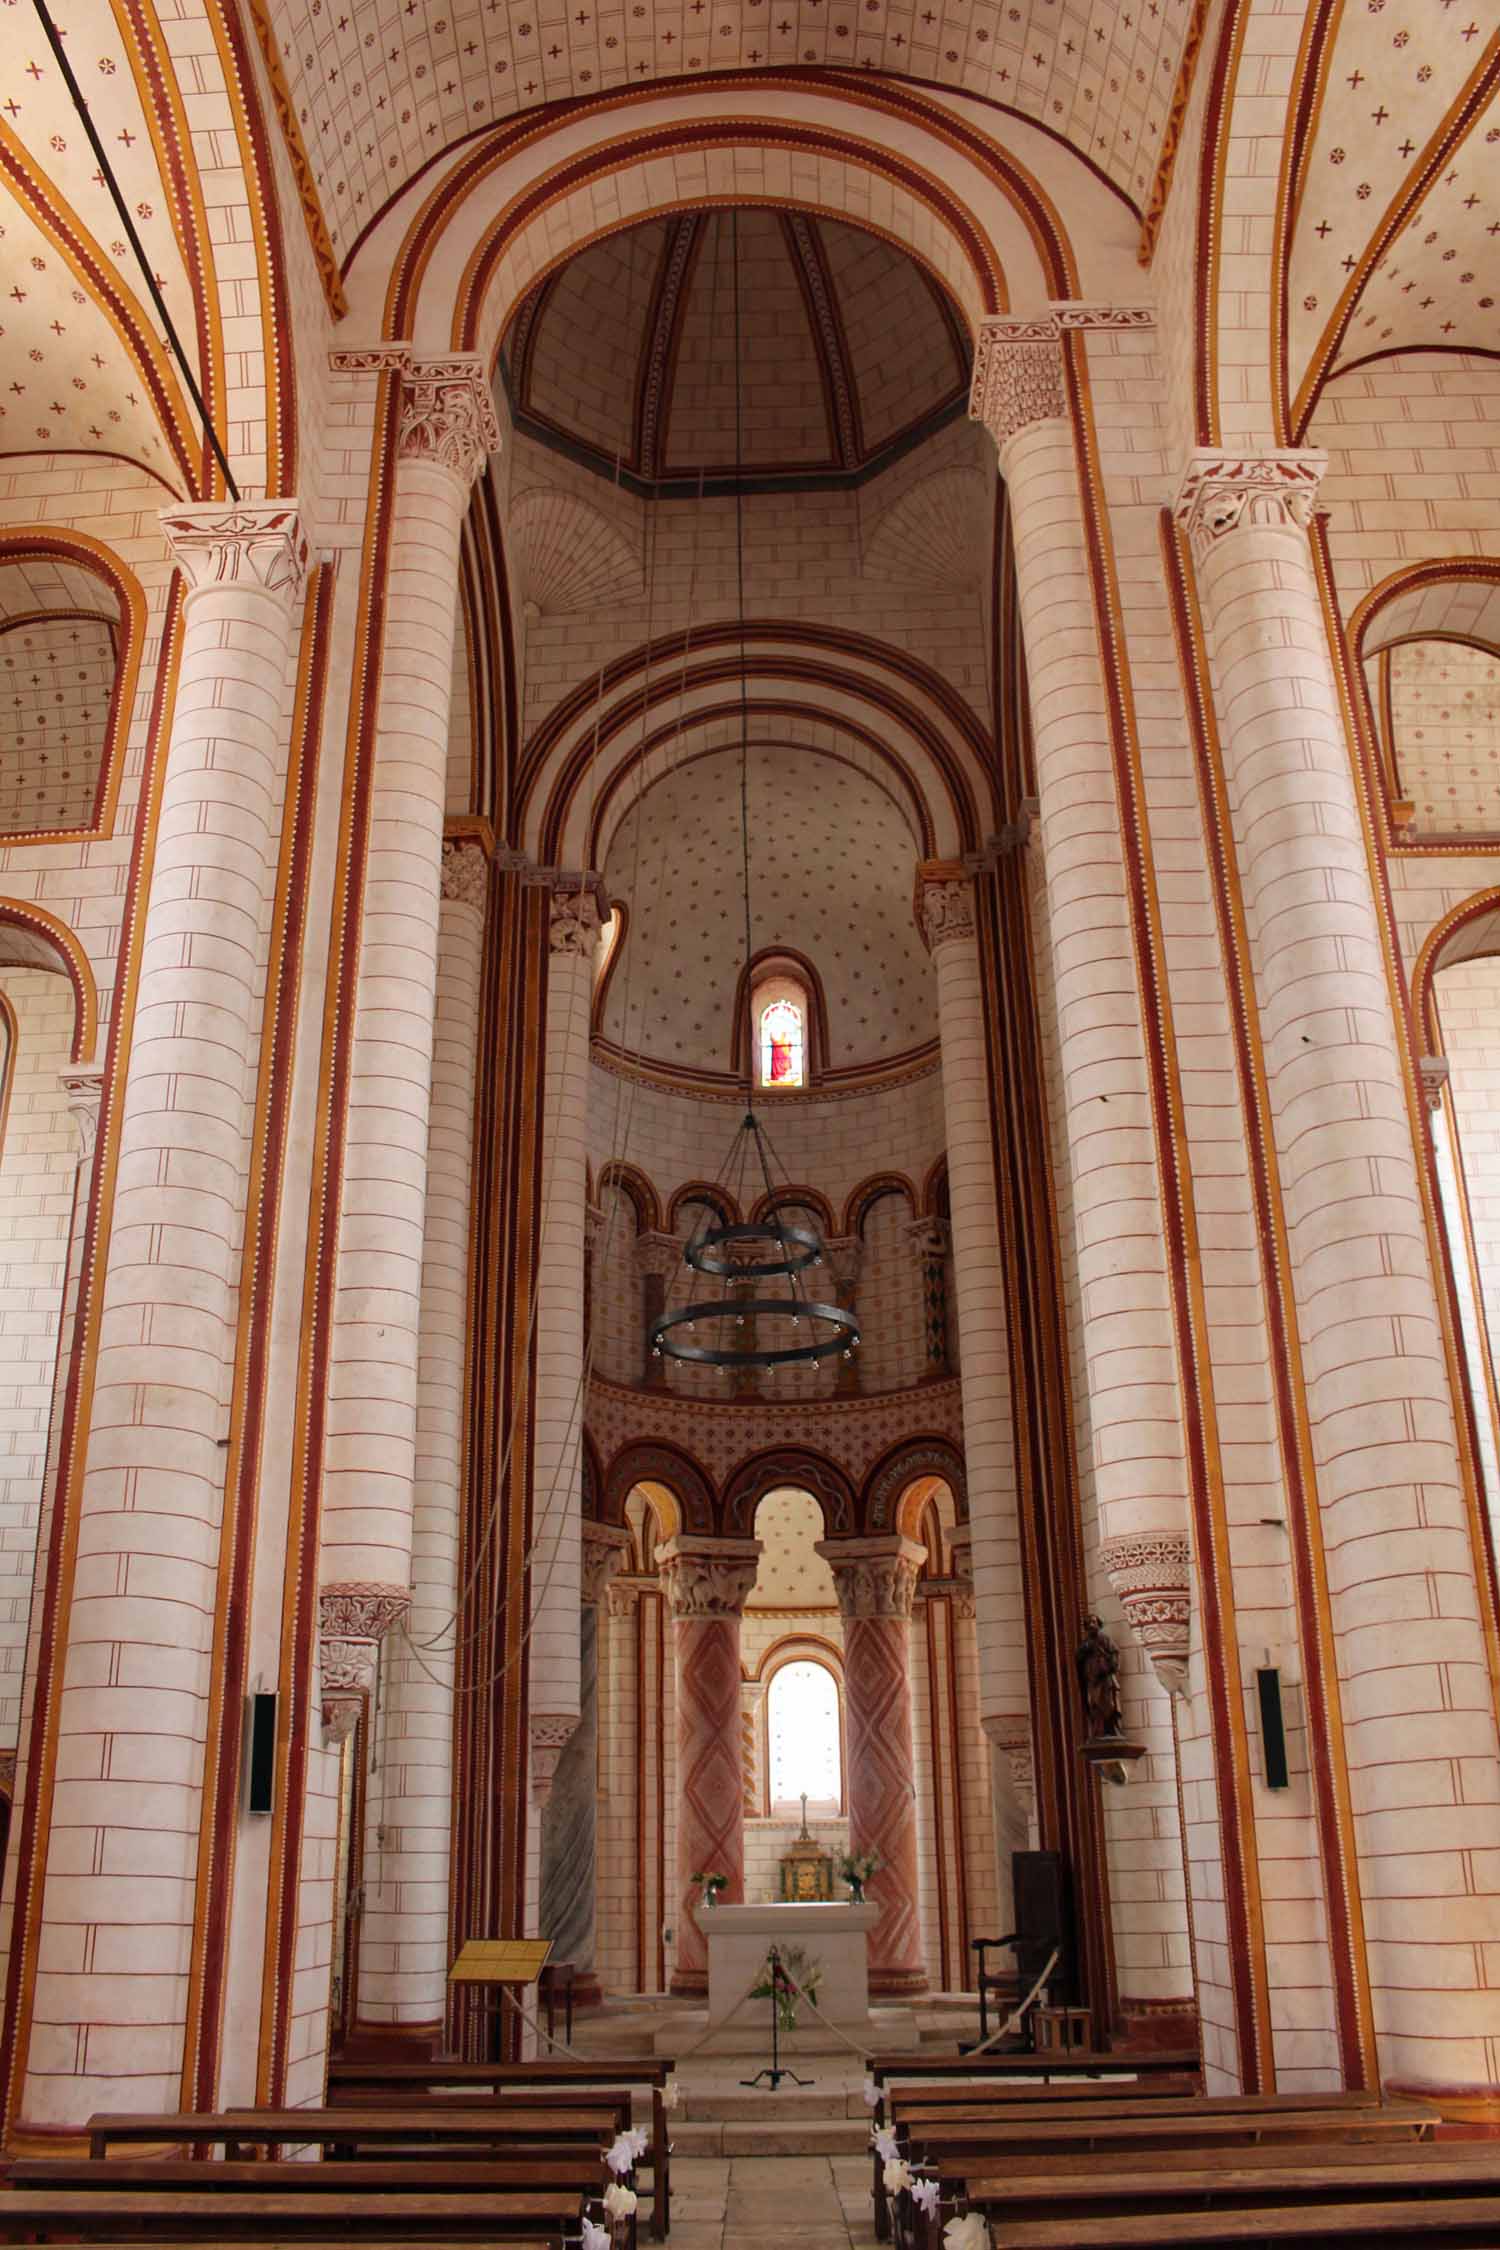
x=781 y=1044
x=802 y=1727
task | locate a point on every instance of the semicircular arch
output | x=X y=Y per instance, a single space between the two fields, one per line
x=798 y=1469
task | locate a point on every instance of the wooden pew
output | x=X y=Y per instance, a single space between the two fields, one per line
x=1165 y=2063
x=977 y=2138
x=351 y=2129
x=362 y=2082
x=1335 y=2174
x=1473 y=2221
x=209 y=2215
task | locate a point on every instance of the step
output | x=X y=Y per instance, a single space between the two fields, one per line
x=733 y=2106
x=784 y=2135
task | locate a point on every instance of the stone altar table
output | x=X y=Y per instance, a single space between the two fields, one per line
x=830 y=1932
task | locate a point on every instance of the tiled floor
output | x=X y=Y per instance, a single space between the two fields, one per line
x=756 y=2202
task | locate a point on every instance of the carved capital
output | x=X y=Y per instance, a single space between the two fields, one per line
x=926 y=1239
x=549 y=1734
x=1224 y=493
x=659 y=1254
x=574 y=922
x=466 y=873
x=259 y=545
x=946 y=900
x=606 y=1547
x=1152 y=1573
x=845 y=1256
x=963 y=1572
x=1017 y=376
x=83 y=1083
x=353 y=1619
x=1433 y=1071
x=708 y=1577
x=447 y=415
x=874 y=1577
x=625 y=1590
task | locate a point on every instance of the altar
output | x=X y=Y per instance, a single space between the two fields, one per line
x=829 y=1933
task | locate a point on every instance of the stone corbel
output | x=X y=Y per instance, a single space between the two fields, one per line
x=1151 y=1572
x=549 y=1733
x=353 y=1620
x=1011 y=1735
x=1434 y=1072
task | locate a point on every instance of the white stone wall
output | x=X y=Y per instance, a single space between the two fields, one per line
x=38 y=1167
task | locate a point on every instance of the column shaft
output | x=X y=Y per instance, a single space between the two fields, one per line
x=1393 y=1529
x=403 y=1957
x=707 y=1581
x=876 y=1581
x=110 y=1987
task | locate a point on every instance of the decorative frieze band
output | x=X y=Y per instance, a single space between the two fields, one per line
x=353 y=1620
x=874 y=1577
x=1223 y=493
x=257 y=544
x=1152 y=1573
x=708 y=1577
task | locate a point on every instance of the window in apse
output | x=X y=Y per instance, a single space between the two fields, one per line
x=782 y=1044
x=802 y=1726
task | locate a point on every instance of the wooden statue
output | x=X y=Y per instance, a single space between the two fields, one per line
x=1098 y=1663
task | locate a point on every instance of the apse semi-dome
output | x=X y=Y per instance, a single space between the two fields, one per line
x=624 y=356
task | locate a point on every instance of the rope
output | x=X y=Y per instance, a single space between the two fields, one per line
x=861 y=2052
x=1013 y=2021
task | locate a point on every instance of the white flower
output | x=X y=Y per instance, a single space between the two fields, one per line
x=971 y=2232
x=926 y=2194
x=639 y=2140
x=619 y=2201
x=883 y=2141
x=671 y=2094
x=897 y=2175
x=871 y=2093
x=621 y=2154
x=595 y=2237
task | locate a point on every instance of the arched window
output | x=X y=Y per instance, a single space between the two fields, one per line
x=802 y=1737
x=782 y=1036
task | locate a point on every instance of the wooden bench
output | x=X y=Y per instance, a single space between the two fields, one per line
x=348 y=2129
x=212 y=2215
x=1164 y=2062
x=960 y=2147
x=1468 y=2220
x=513 y=2082
x=1322 y=2175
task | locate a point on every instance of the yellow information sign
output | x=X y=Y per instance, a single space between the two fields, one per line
x=500 y=1961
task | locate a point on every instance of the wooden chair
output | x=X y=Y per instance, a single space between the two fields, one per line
x=556 y=1983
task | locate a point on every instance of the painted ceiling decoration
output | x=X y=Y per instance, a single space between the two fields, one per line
x=624 y=357
x=1395 y=243
x=380 y=90
x=832 y=862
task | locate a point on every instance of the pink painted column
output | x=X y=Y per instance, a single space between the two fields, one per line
x=876 y=1581
x=707 y=1581
x=403 y=1950
x=1419 y=1720
x=447 y=429
x=117 y=1910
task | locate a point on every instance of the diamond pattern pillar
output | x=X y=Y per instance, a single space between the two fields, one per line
x=876 y=1581
x=707 y=1581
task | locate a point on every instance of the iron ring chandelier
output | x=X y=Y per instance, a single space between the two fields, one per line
x=835 y=1329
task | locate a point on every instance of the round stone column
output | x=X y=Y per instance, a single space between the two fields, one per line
x=447 y=430
x=707 y=1582
x=403 y=1950
x=570 y=1831
x=979 y=1290
x=1394 y=1532
x=557 y=1428
x=876 y=1581
x=120 y=1873
x=1136 y=1461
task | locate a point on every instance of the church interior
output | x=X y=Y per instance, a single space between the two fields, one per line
x=750 y=1122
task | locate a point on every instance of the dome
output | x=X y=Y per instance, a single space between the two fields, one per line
x=624 y=356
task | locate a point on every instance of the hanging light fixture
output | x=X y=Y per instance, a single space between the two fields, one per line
x=729 y=1331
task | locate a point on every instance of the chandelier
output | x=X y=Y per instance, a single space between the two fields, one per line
x=761 y=1265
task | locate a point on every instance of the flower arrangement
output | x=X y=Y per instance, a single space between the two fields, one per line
x=855 y=1869
x=712 y=1882
x=805 y=1977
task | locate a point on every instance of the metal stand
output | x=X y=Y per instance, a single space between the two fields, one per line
x=774 y=2071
